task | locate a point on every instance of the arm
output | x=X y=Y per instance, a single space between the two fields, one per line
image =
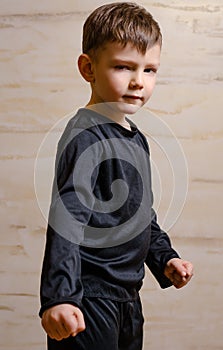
x=61 y=289
x=61 y=272
x=164 y=262
x=61 y=286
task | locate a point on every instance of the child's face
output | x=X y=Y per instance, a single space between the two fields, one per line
x=124 y=76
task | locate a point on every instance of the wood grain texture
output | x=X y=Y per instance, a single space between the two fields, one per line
x=40 y=85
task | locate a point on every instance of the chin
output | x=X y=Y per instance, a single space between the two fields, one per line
x=127 y=108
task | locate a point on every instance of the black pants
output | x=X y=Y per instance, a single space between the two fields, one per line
x=110 y=325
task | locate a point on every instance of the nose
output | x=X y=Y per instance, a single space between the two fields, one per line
x=136 y=82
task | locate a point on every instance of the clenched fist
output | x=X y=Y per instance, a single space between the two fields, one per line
x=179 y=272
x=62 y=321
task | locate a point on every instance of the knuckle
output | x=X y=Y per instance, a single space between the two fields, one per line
x=54 y=317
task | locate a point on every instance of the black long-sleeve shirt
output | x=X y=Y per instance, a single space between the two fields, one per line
x=102 y=228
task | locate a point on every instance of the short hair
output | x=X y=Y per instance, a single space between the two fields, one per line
x=122 y=22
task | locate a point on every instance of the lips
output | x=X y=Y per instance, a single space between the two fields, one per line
x=133 y=97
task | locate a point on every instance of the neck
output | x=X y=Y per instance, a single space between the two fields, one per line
x=125 y=124
x=110 y=111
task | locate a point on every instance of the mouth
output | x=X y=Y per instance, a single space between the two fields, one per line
x=133 y=97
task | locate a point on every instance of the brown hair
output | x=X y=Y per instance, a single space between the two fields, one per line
x=122 y=22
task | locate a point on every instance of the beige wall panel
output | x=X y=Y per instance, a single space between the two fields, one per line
x=40 y=85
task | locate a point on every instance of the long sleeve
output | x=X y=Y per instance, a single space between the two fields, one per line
x=61 y=271
x=160 y=252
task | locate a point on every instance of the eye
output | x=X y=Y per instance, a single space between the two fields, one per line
x=150 y=70
x=122 y=67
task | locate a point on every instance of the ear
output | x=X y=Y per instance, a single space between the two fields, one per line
x=85 y=66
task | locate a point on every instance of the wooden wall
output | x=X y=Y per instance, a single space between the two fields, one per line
x=40 y=85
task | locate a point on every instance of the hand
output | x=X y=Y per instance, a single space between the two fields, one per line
x=62 y=321
x=179 y=272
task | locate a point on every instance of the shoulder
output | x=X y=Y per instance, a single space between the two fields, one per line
x=80 y=131
x=84 y=131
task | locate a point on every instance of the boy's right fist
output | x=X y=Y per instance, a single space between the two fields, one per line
x=62 y=321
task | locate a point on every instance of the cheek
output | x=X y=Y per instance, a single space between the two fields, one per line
x=114 y=85
x=150 y=86
x=110 y=85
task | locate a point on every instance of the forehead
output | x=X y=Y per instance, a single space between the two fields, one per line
x=115 y=51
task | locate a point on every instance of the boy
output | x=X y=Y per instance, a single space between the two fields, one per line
x=99 y=237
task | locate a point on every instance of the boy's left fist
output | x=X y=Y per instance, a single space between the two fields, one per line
x=179 y=272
